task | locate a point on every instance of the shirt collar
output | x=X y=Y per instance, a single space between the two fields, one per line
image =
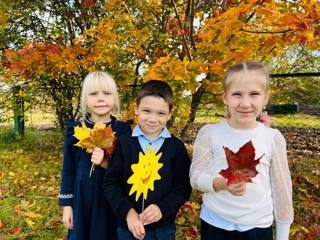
x=137 y=132
x=91 y=123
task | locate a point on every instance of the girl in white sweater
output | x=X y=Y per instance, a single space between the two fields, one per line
x=242 y=205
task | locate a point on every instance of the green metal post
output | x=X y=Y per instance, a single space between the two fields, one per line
x=18 y=111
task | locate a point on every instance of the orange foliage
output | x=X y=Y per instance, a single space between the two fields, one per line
x=150 y=33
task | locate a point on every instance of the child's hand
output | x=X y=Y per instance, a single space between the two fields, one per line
x=97 y=156
x=135 y=225
x=151 y=214
x=67 y=217
x=237 y=189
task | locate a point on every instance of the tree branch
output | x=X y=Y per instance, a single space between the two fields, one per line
x=285 y=75
x=181 y=27
x=265 y=32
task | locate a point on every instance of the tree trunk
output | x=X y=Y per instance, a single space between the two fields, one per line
x=196 y=99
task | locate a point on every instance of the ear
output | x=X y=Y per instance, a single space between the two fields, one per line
x=170 y=114
x=224 y=98
x=267 y=97
x=135 y=109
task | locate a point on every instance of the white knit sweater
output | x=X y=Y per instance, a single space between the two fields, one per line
x=270 y=194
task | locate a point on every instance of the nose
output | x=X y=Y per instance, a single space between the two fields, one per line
x=245 y=102
x=152 y=118
x=100 y=97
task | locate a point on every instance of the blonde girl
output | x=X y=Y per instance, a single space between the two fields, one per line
x=242 y=210
x=86 y=213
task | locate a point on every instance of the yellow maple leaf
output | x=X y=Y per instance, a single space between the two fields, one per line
x=100 y=136
x=99 y=126
x=81 y=132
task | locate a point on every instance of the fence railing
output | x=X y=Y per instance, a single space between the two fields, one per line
x=272 y=109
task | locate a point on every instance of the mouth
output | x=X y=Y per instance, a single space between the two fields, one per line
x=104 y=106
x=242 y=112
x=151 y=126
x=145 y=180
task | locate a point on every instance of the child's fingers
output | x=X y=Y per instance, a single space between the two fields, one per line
x=71 y=222
x=67 y=217
x=151 y=214
x=138 y=231
x=68 y=223
x=145 y=219
x=97 y=151
x=97 y=156
x=237 y=189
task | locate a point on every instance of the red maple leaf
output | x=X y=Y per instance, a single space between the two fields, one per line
x=191 y=232
x=241 y=165
x=16 y=230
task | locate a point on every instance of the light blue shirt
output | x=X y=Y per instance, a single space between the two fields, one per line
x=215 y=220
x=144 y=141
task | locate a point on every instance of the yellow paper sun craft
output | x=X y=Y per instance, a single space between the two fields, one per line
x=145 y=172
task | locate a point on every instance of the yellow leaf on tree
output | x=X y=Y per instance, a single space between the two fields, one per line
x=217 y=68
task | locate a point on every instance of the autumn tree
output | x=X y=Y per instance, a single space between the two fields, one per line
x=299 y=90
x=38 y=39
x=186 y=43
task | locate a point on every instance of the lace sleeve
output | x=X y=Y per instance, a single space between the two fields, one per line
x=200 y=177
x=281 y=188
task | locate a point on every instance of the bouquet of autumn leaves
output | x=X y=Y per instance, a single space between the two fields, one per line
x=100 y=136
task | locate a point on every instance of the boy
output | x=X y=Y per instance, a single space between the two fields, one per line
x=153 y=216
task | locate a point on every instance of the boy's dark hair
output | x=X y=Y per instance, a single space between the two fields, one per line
x=156 y=88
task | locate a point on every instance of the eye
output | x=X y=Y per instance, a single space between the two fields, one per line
x=236 y=94
x=146 y=110
x=107 y=93
x=255 y=93
x=93 y=93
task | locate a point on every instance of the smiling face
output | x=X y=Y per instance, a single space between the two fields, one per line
x=245 y=95
x=153 y=114
x=145 y=173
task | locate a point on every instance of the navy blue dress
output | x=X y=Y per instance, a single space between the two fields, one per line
x=92 y=216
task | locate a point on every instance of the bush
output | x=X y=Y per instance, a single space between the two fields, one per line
x=282 y=109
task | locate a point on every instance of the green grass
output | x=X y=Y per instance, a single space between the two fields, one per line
x=29 y=185
x=296 y=120
x=30 y=181
x=290 y=120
